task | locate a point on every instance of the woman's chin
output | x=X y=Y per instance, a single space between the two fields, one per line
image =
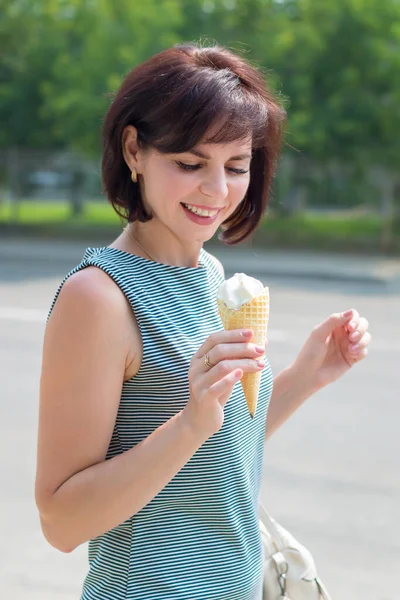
x=206 y=236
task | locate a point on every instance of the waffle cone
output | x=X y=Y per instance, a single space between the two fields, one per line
x=252 y=315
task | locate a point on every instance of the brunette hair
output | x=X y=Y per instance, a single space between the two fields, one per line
x=174 y=99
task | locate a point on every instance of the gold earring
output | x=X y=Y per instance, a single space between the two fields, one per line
x=134 y=175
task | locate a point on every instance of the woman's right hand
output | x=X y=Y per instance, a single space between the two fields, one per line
x=231 y=354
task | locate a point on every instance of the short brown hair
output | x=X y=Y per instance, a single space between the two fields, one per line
x=174 y=99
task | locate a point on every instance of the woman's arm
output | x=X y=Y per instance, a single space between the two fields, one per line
x=290 y=390
x=327 y=354
x=80 y=495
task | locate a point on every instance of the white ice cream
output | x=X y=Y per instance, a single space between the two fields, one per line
x=239 y=289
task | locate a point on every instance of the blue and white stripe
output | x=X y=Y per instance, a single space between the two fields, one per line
x=198 y=539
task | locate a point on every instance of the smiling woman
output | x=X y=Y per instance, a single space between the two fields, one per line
x=189 y=96
x=146 y=449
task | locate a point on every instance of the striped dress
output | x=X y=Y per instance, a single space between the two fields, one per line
x=198 y=539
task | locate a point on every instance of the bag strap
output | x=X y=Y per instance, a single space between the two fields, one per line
x=322 y=590
x=271 y=529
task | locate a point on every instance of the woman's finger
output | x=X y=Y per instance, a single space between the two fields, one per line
x=358 y=333
x=223 y=368
x=223 y=337
x=353 y=324
x=234 y=350
x=222 y=388
x=361 y=344
x=354 y=358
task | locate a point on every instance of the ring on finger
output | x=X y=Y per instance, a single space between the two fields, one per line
x=207 y=361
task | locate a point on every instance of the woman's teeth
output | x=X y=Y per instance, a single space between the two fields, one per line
x=200 y=211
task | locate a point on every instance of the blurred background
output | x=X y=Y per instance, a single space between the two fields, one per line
x=336 y=62
x=330 y=241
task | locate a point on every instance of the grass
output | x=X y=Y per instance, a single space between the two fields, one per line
x=348 y=231
x=343 y=227
x=35 y=212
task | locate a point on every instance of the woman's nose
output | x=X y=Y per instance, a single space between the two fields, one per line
x=215 y=186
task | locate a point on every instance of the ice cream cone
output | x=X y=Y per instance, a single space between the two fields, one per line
x=251 y=315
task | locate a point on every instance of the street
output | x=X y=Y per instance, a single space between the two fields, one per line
x=331 y=474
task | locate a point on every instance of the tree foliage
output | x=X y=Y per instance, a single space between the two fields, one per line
x=57 y=78
x=336 y=61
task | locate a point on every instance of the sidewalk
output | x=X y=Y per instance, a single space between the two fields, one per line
x=376 y=270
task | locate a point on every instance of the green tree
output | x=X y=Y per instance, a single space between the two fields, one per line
x=26 y=49
x=337 y=61
x=56 y=80
x=103 y=40
x=341 y=71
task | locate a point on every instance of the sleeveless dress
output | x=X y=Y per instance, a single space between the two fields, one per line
x=198 y=539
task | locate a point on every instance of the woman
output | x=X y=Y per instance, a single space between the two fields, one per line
x=146 y=448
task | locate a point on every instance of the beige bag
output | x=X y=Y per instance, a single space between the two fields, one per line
x=289 y=568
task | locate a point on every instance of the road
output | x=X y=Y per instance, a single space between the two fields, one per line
x=331 y=474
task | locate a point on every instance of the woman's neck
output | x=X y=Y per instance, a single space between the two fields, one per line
x=142 y=240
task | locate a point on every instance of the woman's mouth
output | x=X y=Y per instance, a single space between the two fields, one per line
x=200 y=216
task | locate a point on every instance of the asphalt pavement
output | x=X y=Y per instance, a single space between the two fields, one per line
x=376 y=270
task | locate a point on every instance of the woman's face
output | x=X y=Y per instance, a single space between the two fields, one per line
x=210 y=177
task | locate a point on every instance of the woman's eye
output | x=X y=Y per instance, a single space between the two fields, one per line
x=186 y=167
x=238 y=171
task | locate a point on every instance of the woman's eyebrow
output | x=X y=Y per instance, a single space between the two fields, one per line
x=203 y=155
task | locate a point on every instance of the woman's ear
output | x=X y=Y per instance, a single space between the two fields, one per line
x=130 y=147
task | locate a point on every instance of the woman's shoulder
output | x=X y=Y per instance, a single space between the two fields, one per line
x=91 y=286
x=91 y=308
x=219 y=265
x=216 y=262
x=91 y=297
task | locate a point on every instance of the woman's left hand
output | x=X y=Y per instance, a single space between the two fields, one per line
x=334 y=346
